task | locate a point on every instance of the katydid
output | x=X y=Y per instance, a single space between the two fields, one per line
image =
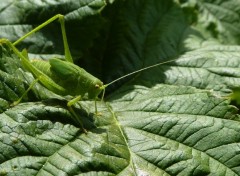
x=63 y=77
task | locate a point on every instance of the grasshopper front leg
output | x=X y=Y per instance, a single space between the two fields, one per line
x=69 y=105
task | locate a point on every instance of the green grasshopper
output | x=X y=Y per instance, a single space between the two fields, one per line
x=63 y=77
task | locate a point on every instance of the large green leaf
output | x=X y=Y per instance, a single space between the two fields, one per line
x=218 y=19
x=175 y=119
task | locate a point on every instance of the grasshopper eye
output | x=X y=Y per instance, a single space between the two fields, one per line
x=97 y=86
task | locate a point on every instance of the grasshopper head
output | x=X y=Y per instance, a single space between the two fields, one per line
x=96 y=88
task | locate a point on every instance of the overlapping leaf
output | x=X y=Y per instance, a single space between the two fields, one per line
x=82 y=17
x=218 y=19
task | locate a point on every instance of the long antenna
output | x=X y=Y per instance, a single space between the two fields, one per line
x=132 y=73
